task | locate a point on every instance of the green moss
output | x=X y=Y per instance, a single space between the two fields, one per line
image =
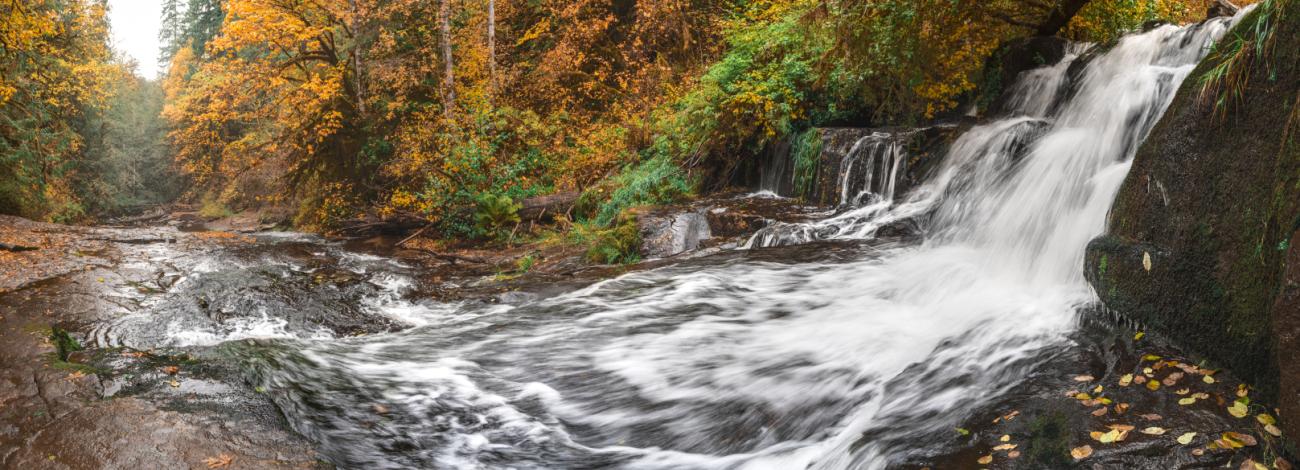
x=620 y=244
x=807 y=151
x=1049 y=444
x=64 y=343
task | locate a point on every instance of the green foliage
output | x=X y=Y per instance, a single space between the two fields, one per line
x=64 y=343
x=654 y=181
x=807 y=150
x=620 y=244
x=1233 y=59
x=525 y=264
x=213 y=208
x=495 y=215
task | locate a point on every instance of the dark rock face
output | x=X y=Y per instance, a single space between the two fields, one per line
x=1220 y=8
x=1202 y=235
x=850 y=156
x=1014 y=58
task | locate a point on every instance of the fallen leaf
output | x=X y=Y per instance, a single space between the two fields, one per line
x=1151 y=357
x=1005 y=447
x=1207 y=379
x=963 y=431
x=1146 y=261
x=1005 y=438
x=1245 y=439
x=174 y=384
x=1099 y=411
x=1139 y=335
x=1083 y=378
x=1265 y=419
x=1273 y=429
x=1201 y=395
x=1182 y=391
x=1080 y=453
x=985 y=460
x=1253 y=465
x=1121 y=408
x=1126 y=380
x=1186 y=438
x=1187 y=401
x=1198 y=452
x=1238 y=409
x=1139 y=380
x=1152 y=417
x=1098 y=389
x=171 y=370
x=221 y=461
x=1153 y=431
x=1172 y=379
x=1013 y=454
x=1281 y=464
x=1153 y=385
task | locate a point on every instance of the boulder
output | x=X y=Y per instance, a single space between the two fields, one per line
x=666 y=234
x=1202 y=237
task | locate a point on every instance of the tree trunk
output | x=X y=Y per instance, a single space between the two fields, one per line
x=357 y=52
x=449 y=77
x=492 y=47
x=1060 y=17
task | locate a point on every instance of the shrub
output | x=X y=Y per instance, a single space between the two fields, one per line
x=654 y=181
x=620 y=244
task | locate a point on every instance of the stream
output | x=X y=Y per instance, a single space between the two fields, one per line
x=816 y=345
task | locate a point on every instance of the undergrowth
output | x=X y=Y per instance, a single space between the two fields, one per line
x=1235 y=59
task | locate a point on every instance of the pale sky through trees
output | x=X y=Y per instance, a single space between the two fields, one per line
x=135 y=32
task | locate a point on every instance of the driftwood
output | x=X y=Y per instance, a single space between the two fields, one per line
x=16 y=248
x=135 y=241
x=399 y=223
x=450 y=258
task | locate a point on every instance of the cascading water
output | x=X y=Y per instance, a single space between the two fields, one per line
x=825 y=359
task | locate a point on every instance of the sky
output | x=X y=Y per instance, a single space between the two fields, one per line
x=135 y=32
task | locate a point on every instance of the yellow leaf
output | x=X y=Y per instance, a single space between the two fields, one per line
x=1265 y=419
x=985 y=460
x=1187 y=401
x=1126 y=380
x=1238 y=409
x=1139 y=335
x=1153 y=385
x=1146 y=261
x=1153 y=431
x=1273 y=429
x=1186 y=439
x=1207 y=379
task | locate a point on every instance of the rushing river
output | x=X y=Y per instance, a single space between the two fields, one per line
x=821 y=356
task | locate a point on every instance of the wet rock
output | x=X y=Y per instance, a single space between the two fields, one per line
x=1200 y=243
x=1221 y=8
x=668 y=234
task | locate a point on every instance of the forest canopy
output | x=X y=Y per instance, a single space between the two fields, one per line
x=343 y=109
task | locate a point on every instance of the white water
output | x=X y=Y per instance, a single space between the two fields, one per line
x=770 y=365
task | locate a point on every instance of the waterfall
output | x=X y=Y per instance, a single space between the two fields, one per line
x=834 y=357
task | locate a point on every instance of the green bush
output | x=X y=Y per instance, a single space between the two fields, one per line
x=496 y=215
x=654 y=181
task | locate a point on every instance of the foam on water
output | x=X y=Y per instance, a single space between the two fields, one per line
x=769 y=365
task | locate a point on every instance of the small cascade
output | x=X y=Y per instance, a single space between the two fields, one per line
x=869 y=172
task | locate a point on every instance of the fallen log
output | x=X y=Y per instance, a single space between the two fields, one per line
x=16 y=248
x=450 y=258
x=538 y=209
